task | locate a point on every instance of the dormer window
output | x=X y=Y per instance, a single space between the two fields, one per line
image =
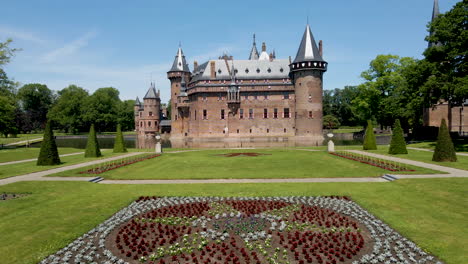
x=219 y=71
x=246 y=70
x=258 y=70
x=235 y=71
x=269 y=70
x=281 y=70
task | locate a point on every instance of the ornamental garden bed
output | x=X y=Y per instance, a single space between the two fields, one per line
x=376 y=162
x=117 y=164
x=9 y=196
x=242 y=230
x=245 y=154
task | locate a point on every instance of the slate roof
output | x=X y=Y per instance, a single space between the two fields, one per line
x=180 y=64
x=254 y=52
x=137 y=101
x=151 y=93
x=308 y=50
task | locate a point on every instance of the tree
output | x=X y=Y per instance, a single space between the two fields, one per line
x=36 y=100
x=68 y=109
x=448 y=58
x=126 y=115
x=6 y=52
x=330 y=122
x=92 y=146
x=169 y=110
x=369 y=137
x=338 y=103
x=7 y=115
x=8 y=101
x=444 y=151
x=398 y=144
x=48 y=154
x=119 y=144
x=102 y=109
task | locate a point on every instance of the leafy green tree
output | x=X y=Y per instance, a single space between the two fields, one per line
x=126 y=115
x=119 y=144
x=448 y=58
x=7 y=115
x=370 y=142
x=68 y=109
x=330 y=122
x=169 y=110
x=36 y=100
x=338 y=103
x=6 y=52
x=102 y=108
x=444 y=150
x=48 y=154
x=8 y=101
x=398 y=143
x=92 y=145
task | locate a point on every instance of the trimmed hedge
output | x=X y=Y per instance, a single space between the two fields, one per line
x=444 y=151
x=92 y=146
x=398 y=143
x=119 y=144
x=370 y=142
x=48 y=154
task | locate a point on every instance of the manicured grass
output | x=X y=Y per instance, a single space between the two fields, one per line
x=29 y=167
x=29 y=153
x=208 y=164
x=347 y=130
x=425 y=156
x=461 y=145
x=431 y=212
x=20 y=137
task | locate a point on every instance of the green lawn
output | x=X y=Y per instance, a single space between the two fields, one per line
x=20 y=137
x=461 y=145
x=29 y=167
x=29 y=153
x=431 y=212
x=425 y=156
x=208 y=164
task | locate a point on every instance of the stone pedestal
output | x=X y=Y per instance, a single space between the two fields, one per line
x=158 y=147
x=331 y=146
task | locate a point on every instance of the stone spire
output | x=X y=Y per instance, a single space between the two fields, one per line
x=308 y=50
x=435 y=14
x=254 y=51
x=179 y=65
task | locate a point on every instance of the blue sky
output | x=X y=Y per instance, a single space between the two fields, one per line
x=126 y=44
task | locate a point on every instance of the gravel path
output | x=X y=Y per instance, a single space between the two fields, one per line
x=28 y=160
x=430 y=150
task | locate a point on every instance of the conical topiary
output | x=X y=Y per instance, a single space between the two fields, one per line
x=49 y=153
x=92 y=146
x=398 y=143
x=119 y=144
x=444 y=151
x=369 y=137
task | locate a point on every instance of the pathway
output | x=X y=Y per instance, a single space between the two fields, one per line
x=430 y=150
x=33 y=140
x=39 y=176
x=28 y=160
x=451 y=172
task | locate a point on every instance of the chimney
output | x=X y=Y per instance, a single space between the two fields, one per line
x=289 y=59
x=321 y=48
x=213 y=70
x=195 y=65
x=263 y=46
x=271 y=56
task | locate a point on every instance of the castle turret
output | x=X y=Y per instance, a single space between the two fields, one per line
x=306 y=72
x=136 y=110
x=178 y=72
x=150 y=115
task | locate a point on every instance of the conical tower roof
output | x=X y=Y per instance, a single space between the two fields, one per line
x=137 y=101
x=435 y=14
x=254 y=52
x=308 y=50
x=180 y=64
x=151 y=93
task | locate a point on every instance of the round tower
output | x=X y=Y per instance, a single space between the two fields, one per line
x=306 y=72
x=150 y=115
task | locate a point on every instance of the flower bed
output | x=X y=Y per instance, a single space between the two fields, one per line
x=157 y=230
x=117 y=164
x=9 y=196
x=246 y=154
x=381 y=163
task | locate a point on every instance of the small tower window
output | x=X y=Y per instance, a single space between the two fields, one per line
x=286 y=96
x=258 y=70
x=246 y=70
x=311 y=115
x=241 y=113
x=251 y=114
x=281 y=70
x=150 y=113
x=149 y=124
x=275 y=113
x=219 y=71
x=205 y=114
x=222 y=114
x=286 y=113
x=285 y=130
x=269 y=70
x=195 y=115
x=265 y=113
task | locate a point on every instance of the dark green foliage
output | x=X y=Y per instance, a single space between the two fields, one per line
x=119 y=144
x=330 y=122
x=398 y=144
x=49 y=153
x=92 y=146
x=369 y=137
x=444 y=150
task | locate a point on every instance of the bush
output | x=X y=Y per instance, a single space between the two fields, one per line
x=398 y=143
x=330 y=122
x=48 y=154
x=119 y=144
x=369 y=137
x=92 y=146
x=444 y=150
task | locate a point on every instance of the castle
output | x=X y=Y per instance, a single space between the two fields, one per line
x=229 y=98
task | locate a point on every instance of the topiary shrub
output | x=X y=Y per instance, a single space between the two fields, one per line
x=119 y=144
x=369 y=137
x=92 y=146
x=48 y=154
x=398 y=143
x=444 y=151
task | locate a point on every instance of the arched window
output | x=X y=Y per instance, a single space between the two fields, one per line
x=149 y=123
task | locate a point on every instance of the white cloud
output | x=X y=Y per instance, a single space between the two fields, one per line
x=70 y=48
x=15 y=33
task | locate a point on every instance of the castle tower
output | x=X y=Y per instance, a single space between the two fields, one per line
x=150 y=115
x=136 y=110
x=179 y=109
x=306 y=72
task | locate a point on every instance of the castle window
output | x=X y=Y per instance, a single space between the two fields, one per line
x=195 y=116
x=205 y=114
x=175 y=117
x=204 y=97
x=255 y=97
x=219 y=97
x=241 y=113
x=258 y=70
x=286 y=96
x=219 y=71
x=237 y=131
x=250 y=131
x=149 y=124
x=269 y=70
x=268 y=130
x=222 y=113
x=141 y=124
x=265 y=96
x=247 y=71
x=286 y=113
x=235 y=71
x=265 y=113
x=251 y=114
x=141 y=114
x=310 y=114
x=285 y=130
x=275 y=113
x=150 y=113
x=155 y=123
x=281 y=70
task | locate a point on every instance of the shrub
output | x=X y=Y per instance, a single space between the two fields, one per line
x=398 y=144
x=444 y=150
x=92 y=146
x=119 y=144
x=48 y=154
x=330 y=122
x=369 y=137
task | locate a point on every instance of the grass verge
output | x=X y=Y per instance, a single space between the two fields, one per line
x=7 y=155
